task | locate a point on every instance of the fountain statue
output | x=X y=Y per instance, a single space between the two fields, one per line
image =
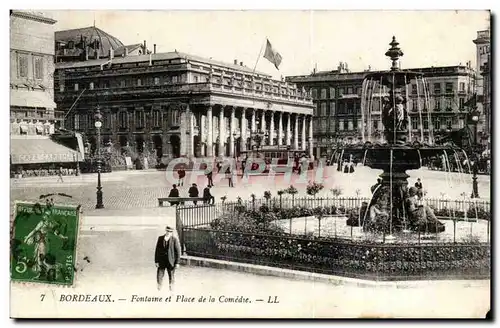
x=392 y=200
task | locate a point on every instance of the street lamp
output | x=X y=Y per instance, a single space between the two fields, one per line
x=98 y=125
x=474 y=120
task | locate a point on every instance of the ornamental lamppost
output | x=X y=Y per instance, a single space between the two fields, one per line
x=474 y=118
x=98 y=124
x=259 y=136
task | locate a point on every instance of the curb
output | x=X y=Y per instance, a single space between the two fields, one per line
x=318 y=277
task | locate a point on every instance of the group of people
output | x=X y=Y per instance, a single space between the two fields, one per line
x=193 y=192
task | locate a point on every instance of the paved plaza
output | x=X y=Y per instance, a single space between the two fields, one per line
x=118 y=260
x=137 y=191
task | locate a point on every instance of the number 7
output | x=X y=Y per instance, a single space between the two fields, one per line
x=42 y=297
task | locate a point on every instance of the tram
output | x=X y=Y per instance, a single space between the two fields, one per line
x=276 y=158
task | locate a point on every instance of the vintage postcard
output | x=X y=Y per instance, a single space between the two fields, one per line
x=250 y=164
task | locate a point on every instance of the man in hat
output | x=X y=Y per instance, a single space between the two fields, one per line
x=167 y=256
x=193 y=192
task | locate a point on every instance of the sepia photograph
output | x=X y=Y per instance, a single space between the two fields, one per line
x=294 y=164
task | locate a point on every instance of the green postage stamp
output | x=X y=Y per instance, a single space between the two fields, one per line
x=43 y=243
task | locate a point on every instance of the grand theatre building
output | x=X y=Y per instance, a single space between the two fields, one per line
x=174 y=103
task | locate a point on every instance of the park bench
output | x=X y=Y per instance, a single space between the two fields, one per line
x=178 y=200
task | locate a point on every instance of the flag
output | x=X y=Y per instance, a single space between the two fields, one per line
x=272 y=55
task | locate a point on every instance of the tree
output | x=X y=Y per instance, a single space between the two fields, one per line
x=292 y=191
x=267 y=196
x=280 y=194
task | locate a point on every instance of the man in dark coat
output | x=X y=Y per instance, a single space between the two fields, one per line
x=210 y=177
x=167 y=256
x=207 y=196
x=193 y=192
x=418 y=184
x=174 y=192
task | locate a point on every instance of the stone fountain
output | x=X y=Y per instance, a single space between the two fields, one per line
x=396 y=153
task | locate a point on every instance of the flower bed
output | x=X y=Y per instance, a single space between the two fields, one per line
x=335 y=256
x=250 y=234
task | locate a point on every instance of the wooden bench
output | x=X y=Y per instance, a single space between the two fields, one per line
x=178 y=200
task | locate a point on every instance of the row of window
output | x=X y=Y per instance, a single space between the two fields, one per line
x=324 y=125
x=437 y=88
x=352 y=108
x=140 y=118
x=330 y=93
x=30 y=66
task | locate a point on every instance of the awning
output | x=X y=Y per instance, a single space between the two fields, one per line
x=41 y=150
x=24 y=98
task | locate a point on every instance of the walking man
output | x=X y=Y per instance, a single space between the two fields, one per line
x=167 y=256
x=181 y=173
x=60 y=174
x=210 y=177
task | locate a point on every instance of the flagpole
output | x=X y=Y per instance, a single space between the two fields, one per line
x=258 y=57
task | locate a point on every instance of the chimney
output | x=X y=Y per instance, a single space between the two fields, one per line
x=97 y=54
x=126 y=51
x=86 y=53
x=236 y=61
x=111 y=54
x=154 y=48
x=144 y=52
x=241 y=63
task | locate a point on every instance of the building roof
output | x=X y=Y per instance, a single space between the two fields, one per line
x=131 y=47
x=158 y=56
x=91 y=34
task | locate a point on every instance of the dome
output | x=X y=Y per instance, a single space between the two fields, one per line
x=91 y=35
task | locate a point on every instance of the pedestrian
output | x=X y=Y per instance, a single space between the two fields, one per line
x=418 y=184
x=207 y=196
x=375 y=186
x=210 y=177
x=243 y=164
x=60 y=174
x=193 y=192
x=346 y=167
x=174 y=193
x=167 y=256
x=181 y=173
x=229 y=176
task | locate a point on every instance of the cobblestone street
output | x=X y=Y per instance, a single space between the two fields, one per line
x=136 y=189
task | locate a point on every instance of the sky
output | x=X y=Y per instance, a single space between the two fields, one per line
x=304 y=38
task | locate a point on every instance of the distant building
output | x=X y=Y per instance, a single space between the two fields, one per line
x=337 y=98
x=174 y=103
x=32 y=109
x=483 y=55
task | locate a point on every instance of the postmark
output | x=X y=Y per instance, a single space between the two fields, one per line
x=44 y=243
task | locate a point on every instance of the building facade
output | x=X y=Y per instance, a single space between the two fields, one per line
x=337 y=97
x=32 y=108
x=483 y=55
x=177 y=104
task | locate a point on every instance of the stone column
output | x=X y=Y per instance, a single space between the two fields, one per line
x=289 y=130
x=263 y=126
x=231 y=133
x=210 y=138
x=296 y=133
x=271 y=130
x=280 y=129
x=253 y=128
x=243 y=130
x=190 y=143
x=311 y=136
x=221 y=132
x=303 y=132
x=203 y=135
